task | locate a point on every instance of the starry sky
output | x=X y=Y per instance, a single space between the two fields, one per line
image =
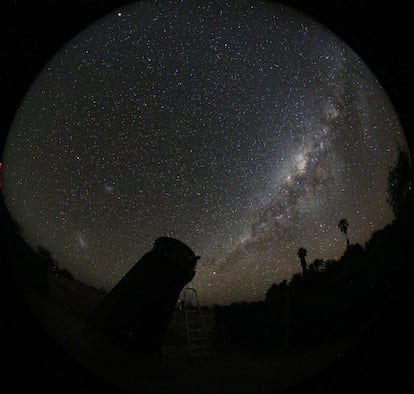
x=245 y=129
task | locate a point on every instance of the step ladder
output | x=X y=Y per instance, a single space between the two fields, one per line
x=197 y=336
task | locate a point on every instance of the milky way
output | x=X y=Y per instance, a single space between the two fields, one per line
x=245 y=129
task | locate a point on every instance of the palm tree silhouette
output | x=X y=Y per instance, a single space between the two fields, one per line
x=343 y=226
x=302 y=252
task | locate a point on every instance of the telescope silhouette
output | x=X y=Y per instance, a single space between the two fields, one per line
x=135 y=314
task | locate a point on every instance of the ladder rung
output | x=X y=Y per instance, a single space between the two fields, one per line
x=197 y=335
x=198 y=347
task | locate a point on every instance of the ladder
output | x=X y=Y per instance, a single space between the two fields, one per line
x=197 y=336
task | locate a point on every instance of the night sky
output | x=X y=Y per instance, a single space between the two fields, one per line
x=245 y=129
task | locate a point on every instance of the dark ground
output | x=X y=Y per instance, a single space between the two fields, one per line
x=380 y=363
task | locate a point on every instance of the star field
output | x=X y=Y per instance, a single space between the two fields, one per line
x=244 y=129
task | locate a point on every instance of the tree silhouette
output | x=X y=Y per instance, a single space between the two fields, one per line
x=65 y=273
x=399 y=182
x=318 y=263
x=46 y=256
x=343 y=226
x=311 y=268
x=302 y=252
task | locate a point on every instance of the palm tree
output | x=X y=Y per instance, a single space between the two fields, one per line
x=302 y=252
x=343 y=226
